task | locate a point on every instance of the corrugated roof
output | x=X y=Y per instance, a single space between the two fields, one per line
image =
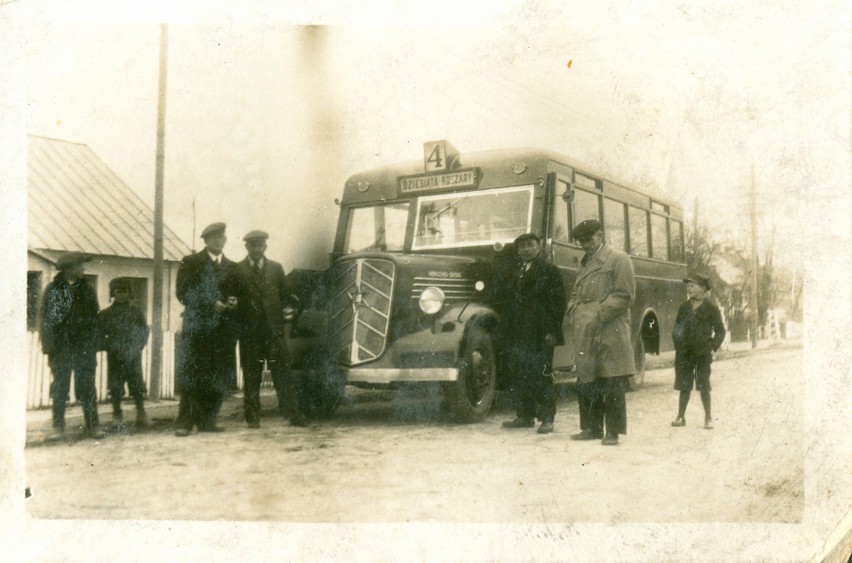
x=77 y=203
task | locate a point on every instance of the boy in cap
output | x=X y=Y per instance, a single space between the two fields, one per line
x=123 y=334
x=698 y=331
x=69 y=337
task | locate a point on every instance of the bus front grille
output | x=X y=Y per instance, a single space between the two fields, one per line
x=360 y=309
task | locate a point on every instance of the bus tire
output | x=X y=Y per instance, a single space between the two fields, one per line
x=469 y=398
x=638 y=378
x=321 y=391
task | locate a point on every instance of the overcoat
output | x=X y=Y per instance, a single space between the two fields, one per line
x=535 y=307
x=261 y=308
x=209 y=336
x=599 y=315
x=700 y=331
x=122 y=333
x=69 y=319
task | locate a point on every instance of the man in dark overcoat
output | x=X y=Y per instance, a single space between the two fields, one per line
x=531 y=327
x=599 y=319
x=69 y=337
x=208 y=286
x=262 y=331
x=123 y=333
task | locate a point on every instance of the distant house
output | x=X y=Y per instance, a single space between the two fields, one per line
x=75 y=202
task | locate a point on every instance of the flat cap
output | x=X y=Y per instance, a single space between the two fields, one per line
x=585 y=230
x=256 y=234
x=699 y=280
x=212 y=229
x=527 y=236
x=119 y=283
x=70 y=259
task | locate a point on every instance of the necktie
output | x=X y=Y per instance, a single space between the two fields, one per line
x=257 y=267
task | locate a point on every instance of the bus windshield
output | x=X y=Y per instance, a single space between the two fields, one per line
x=472 y=218
x=379 y=228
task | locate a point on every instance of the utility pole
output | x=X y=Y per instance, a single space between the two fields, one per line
x=754 y=261
x=157 y=321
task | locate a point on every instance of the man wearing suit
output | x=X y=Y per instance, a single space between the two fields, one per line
x=532 y=326
x=599 y=316
x=262 y=331
x=209 y=288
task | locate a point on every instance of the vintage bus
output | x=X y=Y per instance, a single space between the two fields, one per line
x=420 y=249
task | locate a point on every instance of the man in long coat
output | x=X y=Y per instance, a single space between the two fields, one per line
x=262 y=331
x=531 y=327
x=208 y=286
x=69 y=337
x=599 y=317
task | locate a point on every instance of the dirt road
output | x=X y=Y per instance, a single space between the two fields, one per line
x=390 y=458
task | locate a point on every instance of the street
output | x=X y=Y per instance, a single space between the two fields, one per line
x=389 y=457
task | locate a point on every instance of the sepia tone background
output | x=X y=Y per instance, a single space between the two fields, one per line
x=267 y=117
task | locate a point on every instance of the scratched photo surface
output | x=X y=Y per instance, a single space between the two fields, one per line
x=732 y=120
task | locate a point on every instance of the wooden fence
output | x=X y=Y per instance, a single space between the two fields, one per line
x=39 y=376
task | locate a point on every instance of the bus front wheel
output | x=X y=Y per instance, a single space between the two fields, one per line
x=638 y=378
x=469 y=398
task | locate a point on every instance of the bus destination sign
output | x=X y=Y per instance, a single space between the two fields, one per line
x=433 y=182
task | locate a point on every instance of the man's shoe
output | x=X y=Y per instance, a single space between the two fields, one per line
x=679 y=421
x=610 y=440
x=182 y=432
x=57 y=435
x=545 y=428
x=94 y=433
x=299 y=421
x=587 y=434
x=708 y=423
x=519 y=422
x=254 y=424
x=211 y=429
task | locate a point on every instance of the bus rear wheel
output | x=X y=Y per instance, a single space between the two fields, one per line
x=469 y=398
x=638 y=378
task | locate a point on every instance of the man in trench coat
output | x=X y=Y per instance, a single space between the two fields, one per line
x=599 y=318
x=531 y=326
x=209 y=289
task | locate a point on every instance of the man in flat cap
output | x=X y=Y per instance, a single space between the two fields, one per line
x=698 y=331
x=208 y=286
x=262 y=334
x=531 y=325
x=599 y=317
x=69 y=337
x=123 y=333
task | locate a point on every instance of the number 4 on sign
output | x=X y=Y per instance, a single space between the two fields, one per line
x=437 y=155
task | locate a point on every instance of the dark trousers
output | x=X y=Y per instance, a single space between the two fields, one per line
x=602 y=401
x=83 y=366
x=531 y=386
x=265 y=345
x=121 y=371
x=198 y=407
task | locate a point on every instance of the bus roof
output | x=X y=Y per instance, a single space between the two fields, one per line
x=534 y=158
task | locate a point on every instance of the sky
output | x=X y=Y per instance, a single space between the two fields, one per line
x=266 y=118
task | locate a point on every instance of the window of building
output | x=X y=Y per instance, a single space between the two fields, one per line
x=33 y=292
x=614 y=224
x=677 y=241
x=638 y=222
x=586 y=206
x=561 y=229
x=659 y=237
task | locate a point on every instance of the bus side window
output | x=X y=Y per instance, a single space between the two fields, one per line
x=659 y=237
x=615 y=224
x=638 y=223
x=677 y=241
x=561 y=228
x=585 y=207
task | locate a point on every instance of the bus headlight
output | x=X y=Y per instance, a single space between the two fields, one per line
x=431 y=300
